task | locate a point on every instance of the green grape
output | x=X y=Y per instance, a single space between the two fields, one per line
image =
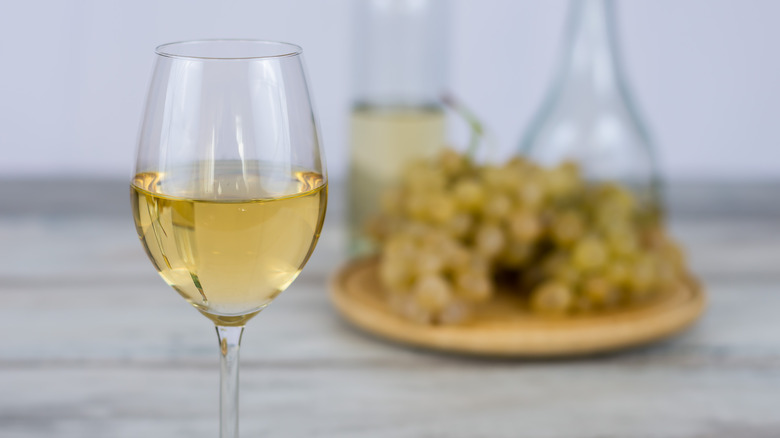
x=395 y=275
x=489 y=240
x=599 y=291
x=452 y=229
x=415 y=230
x=379 y=227
x=617 y=199
x=437 y=180
x=607 y=221
x=666 y=274
x=497 y=207
x=509 y=178
x=582 y=304
x=492 y=177
x=428 y=262
x=460 y=224
x=618 y=272
x=408 y=308
x=473 y=286
x=469 y=195
x=622 y=241
x=562 y=180
x=530 y=194
x=451 y=251
x=554 y=261
x=451 y=161
x=589 y=254
x=414 y=174
x=423 y=177
x=566 y=273
x=524 y=226
x=653 y=237
x=479 y=264
x=567 y=227
x=643 y=275
x=516 y=255
x=552 y=298
x=519 y=164
x=417 y=206
x=391 y=202
x=432 y=292
x=675 y=254
x=400 y=246
x=572 y=171
x=441 y=209
x=455 y=312
x=458 y=258
x=435 y=240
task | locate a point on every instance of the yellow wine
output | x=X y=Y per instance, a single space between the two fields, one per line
x=383 y=141
x=231 y=240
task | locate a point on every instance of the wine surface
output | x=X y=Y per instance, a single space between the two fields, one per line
x=229 y=241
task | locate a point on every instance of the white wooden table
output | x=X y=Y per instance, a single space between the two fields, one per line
x=94 y=344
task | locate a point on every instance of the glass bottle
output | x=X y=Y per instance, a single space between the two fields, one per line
x=400 y=73
x=589 y=115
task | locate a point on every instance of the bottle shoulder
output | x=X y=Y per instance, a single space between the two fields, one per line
x=587 y=121
x=607 y=139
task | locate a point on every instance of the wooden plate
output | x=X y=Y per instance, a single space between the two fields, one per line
x=503 y=328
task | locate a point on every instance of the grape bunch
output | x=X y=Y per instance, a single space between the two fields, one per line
x=453 y=233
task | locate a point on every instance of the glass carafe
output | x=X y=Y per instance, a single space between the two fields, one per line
x=397 y=116
x=589 y=115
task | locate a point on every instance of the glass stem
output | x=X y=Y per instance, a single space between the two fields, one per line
x=229 y=344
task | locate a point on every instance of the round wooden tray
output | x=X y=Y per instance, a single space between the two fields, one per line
x=503 y=328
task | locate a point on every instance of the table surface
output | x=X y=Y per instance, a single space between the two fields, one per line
x=94 y=344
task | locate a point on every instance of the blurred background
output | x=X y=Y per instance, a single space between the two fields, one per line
x=75 y=75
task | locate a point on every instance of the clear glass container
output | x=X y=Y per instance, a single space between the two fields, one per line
x=589 y=115
x=397 y=116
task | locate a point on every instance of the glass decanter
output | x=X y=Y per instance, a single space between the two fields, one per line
x=589 y=115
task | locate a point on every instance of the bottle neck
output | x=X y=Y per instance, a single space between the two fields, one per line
x=400 y=52
x=591 y=59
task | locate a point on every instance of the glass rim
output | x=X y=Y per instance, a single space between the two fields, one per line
x=285 y=49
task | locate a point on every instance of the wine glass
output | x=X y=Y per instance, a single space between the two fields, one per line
x=230 y=187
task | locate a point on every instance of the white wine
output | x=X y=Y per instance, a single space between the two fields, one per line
x=231 y=240
x=383 y=141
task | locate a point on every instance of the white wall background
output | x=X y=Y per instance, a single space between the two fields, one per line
x=73 y=74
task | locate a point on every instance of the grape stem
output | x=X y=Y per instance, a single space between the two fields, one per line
x=477 y=129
